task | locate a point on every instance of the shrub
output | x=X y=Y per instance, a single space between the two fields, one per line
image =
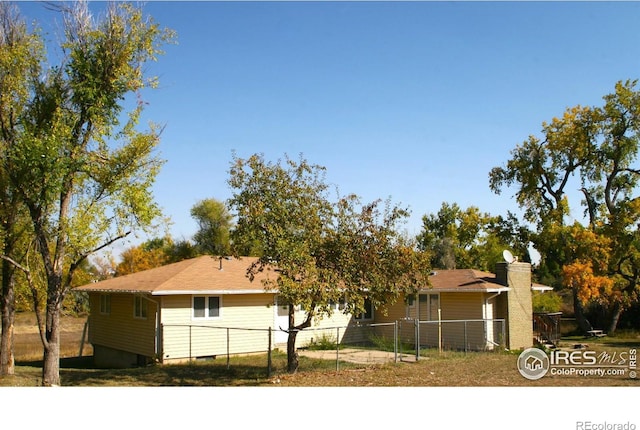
x=324 y=342
x=548 y=301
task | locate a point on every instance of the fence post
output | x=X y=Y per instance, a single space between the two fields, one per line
x=395 y=341
x=190 y=355
x=465 y=336
x=228 y=356
x=269 y=356
x=399 y=339
x=416 y=333
x=439 y=330
x=337 y=349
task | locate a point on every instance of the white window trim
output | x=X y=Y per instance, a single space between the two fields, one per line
x=206 y=308
x=143 y=306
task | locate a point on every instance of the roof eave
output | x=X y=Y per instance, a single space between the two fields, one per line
x=208 y=292
x=174 y=292
x=111 y=290
x=466 y=290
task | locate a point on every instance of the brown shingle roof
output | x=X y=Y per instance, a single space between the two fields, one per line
x=465 y=280
x=200 y=275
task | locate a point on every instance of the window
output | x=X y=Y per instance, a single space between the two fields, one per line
x=139 y=307
x=434 y=307
x=410 y=308
x=337 y=306
x=206 y=307
x=429 y=305
x=105 y=304
x=411 y=301
x=368 y=311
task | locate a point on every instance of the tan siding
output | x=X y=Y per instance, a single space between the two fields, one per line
x=339 y=326
x=398 y=311
x=208 y=337
x=459 y=306
x=454 y=335
x=324 y=328
x=120 y=330
x=462 y=306
x=184 y=336
x=394 y=312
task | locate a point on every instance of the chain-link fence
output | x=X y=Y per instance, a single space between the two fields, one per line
x=460 y=335
x=192 y=342
x=360 y=343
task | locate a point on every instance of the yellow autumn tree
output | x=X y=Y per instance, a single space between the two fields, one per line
x=579 y=276
x=139 y=258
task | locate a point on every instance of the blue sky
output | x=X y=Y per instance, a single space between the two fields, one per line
x=412 y=101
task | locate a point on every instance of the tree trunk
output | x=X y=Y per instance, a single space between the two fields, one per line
x=615 y=317
x=51 y=359
x=7 y=305
x=7 y=359
x=292 y=354
x=578 y=310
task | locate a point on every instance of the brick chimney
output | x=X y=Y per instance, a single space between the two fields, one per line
x=519 y=310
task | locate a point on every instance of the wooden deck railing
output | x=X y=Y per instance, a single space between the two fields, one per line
x=546 y=327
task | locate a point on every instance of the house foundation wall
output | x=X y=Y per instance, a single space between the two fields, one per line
x=106 y=357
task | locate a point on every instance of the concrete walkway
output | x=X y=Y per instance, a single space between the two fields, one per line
x=356 y=355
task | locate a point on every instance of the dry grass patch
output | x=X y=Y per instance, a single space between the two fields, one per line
x=446 y=369
x=27 y=343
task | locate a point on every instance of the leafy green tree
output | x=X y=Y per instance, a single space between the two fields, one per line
x=181 y=250
x=214 y=224
x=598 y=147
x=548 y=301
x=81 y=167
x=470 y=239
x=323 y=252
x=20 y=54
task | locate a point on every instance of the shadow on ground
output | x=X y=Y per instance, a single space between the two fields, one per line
x=81 y=372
